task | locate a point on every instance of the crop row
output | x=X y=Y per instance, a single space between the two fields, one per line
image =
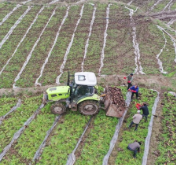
x=165 y=152
x=41 y=51
x=69 y=128
x=6 y=104
x=28 y=57
x=62 y=140
x=14 y=66
x=120 y=155
x=153 y=5
x=15 y=120
x=96 y=143
x=22 y=152
x=10 y=45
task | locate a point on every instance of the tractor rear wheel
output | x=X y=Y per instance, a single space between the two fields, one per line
x=89 y=107
x=58 y=108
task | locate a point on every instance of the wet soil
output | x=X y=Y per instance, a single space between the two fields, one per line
x=158 y=82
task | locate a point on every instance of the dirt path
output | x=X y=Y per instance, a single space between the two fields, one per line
x=158 y=82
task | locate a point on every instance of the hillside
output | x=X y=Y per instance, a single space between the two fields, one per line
x=41 y=40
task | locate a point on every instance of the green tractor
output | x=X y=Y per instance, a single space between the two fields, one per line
x=79 y=94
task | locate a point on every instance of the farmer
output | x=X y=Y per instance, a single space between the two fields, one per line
x=129 y=80
x=135 y=147
x=145 y=111
x=136 y=119
x=134 y=89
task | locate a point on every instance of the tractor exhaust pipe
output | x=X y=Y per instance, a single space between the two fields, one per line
x=68 y=79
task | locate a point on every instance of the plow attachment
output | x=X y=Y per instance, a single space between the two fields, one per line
x=114 y=102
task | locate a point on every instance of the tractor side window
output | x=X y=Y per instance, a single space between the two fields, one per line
x=91 y=90
x=54 y=95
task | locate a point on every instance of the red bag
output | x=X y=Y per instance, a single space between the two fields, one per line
x=138 y=106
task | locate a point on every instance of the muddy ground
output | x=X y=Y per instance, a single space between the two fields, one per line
x=160 y=83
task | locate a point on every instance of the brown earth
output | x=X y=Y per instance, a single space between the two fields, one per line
x=158 y=82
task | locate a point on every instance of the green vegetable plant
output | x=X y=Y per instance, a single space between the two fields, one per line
x=12 y=69
x=52 y=68
x=165 y=152
x=31 y=139
x=32 y=70
x=15 y=120
x=63 y=139
x=6 y=104
x=97 y=142
x=124 y=156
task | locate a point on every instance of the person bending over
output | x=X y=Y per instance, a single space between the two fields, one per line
x=135 y=90
x=135 y=147
x=136 y=119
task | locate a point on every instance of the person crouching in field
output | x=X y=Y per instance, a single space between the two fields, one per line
x=136 y=119
x=135 y=147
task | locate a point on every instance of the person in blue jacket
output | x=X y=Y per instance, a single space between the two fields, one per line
x=135 y=90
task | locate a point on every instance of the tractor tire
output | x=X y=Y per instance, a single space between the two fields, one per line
x=89 y=107
x=58 y=108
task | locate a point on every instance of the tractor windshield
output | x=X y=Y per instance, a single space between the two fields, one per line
x=82 y=90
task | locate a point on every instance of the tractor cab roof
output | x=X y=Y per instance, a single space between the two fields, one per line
x=85 y=78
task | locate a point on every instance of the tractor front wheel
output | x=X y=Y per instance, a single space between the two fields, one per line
x=89 y=107
x=58 y=108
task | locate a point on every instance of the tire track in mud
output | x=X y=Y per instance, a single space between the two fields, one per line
x=138 y=68
x=87 y=41
x=72 y=158
x=13 y=109
x=33 y=48
x=19 y=132
x=68 y=48
x=13 y=27
x=117 y=130
x=150 y=126
x=104 y=42
x=49 y=54
x=21 y=40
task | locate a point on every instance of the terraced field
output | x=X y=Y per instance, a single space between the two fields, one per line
x=41 y=40
x=40 y=43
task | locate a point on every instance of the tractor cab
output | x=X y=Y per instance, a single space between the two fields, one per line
x=83 y=85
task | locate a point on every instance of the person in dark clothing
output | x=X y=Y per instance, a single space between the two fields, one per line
x=134 y=90
x=129 y=80
x=135 y=147
x=145 y=111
